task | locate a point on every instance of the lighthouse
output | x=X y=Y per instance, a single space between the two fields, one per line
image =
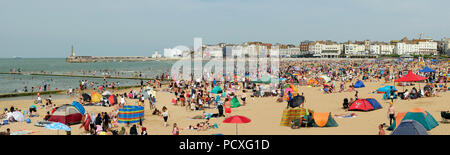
x=72 y=53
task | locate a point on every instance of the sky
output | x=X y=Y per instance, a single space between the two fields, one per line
x=48 y=28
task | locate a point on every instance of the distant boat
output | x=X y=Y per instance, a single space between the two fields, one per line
x=17 y=57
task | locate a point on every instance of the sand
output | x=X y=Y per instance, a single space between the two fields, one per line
x=265 y=114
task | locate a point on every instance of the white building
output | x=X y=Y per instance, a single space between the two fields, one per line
x=387 y=49
x=156 y=55
x=427 y=47
x=284 y=52
x=446 y=47
x=175 y=52
x=375 y=49
x=237 y=51
x=331 y=51
x=293 y=51
x=355 y=49
x=316 y=49
x=406 y=49
x=325 y=50
x=212 y=51
x=275 y=51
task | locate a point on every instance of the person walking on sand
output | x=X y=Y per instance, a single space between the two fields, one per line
x=391 y=113
x=165 y=115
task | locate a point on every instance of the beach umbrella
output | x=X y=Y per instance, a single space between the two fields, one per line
x=237 y=119
x=58 y=126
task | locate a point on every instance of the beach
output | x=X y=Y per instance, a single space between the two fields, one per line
x=265 y=114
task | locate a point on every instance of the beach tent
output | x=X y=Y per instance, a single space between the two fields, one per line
x=359 y=84
x=374 y=103
x=427 y=69
x=296 y=101
x=66 y=114
x=291 y=114
x=417 y=114
x=386 y=89
x=18 y=116
x=112 y=99
x=410 y=77
x=86 y=97
x=79 y=107
x=216 y=90
x=361 y=105
x=323 y=119
x=235 y=103
x=410 y=127
x=96 y=97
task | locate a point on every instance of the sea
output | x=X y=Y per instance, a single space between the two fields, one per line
x=12 y=83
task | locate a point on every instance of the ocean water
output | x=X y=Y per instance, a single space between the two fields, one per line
x=9 y=83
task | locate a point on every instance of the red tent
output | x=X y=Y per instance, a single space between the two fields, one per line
x=361 y=104
x=66 y=114
x=410 y=77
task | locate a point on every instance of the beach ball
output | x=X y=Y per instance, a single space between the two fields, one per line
x=28 y=120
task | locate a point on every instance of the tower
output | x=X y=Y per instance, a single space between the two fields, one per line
x=72 y=54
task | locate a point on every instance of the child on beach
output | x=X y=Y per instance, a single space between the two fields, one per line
x=175 y=130
x=165 y=115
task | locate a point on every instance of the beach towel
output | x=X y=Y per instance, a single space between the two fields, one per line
x=23 y=132
x=346 y=116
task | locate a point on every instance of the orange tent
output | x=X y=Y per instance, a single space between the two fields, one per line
x=321 y=118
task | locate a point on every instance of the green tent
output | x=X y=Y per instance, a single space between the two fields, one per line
x=235 y=103
x=319 y=120
x=216 y=90
x=427 y=120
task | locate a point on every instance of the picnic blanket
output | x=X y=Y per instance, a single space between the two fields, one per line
x=292 y=114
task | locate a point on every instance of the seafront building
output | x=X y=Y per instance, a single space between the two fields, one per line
x=445 y=46
x=307 y=48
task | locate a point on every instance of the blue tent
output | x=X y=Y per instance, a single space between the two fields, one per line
x=410 y=127
x=374 y=103
x=427 y=69
x=386 y=89
x=359 y=84
x=79 y=107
